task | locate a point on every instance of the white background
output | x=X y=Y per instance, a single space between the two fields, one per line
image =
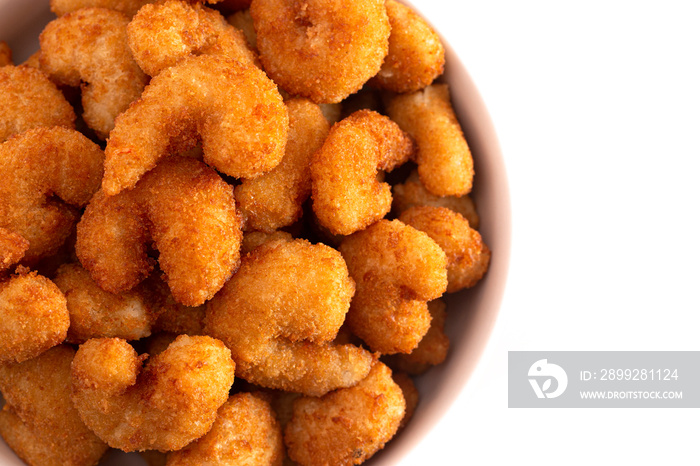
x=597 y=108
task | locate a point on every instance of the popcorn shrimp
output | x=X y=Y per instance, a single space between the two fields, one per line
x=397 y=269
x=347 y=426
x=128 y=7
x=163 y=33
x=29 y=99
x=467 y=255
x=274 y=200
x=47 y=173
x=279 y=314
x=321 y=49
x=188 y=212
x=347 y=194
x=90 y=46
x=235 y=110
x=444 y=160
x=12 y=249
x=416 y=56
x=164 y=406
x=38 y=420
x=245 y=432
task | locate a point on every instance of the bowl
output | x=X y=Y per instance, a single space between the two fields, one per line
x=471 y=313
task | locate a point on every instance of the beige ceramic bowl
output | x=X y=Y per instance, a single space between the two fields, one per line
x=471 y=314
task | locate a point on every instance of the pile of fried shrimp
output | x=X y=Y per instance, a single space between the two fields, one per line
x=226 y=230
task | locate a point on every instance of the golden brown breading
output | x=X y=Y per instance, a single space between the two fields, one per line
x=321 y=49
x=279 y=313
x=410 y=394
x=39 y=421
x=28 y=100
x=47 y=173
x=235 y=110
x=416 y=56
x=397 y=269
x=174 y=317
x=163 y=33
x=128 y=7
x=188 y=212
x=245 y=433
x=5 y=54
x=242 y=21
x=253 y=239
x=412 y=193
x=444 y=160
x=274 y=200
x=347 y=194
x=95 y=313
x=33 y=317
x=12 y=249
x=89 y=46
x=164 y=406
x=346 y=426
x=467 y=255
x=432 y=349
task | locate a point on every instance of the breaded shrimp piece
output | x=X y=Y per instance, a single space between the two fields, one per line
x=253 y=239
x=33 y=317
x=235 y=110
x=274 y=200
x=12 y=249
x=412 y=193
x=28 y=100
x=432 y=349
x=245 y=433
x=397 y=269
x=163 y=33
x=346 y=189
x=279 y=314
x=128 y=7
x=410 y=394
x=48 y=174
x=95 y=313
x=321 y=49
x=444 y=160
x=416 y=56
x=467 y=255
x=34 y=61
x=242 y=21
x=88 y=48
x=5 y=54
x=169 y=403
x=188 y=212
x=39 y=421
x=346 y=426
x=174 y=317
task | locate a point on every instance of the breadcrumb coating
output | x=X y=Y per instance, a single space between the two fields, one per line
x=128 y=7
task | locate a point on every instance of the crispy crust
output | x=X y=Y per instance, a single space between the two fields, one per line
x=128 y=7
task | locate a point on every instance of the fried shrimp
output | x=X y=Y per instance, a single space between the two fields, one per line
x=347 y=194
x=188 y=212
x=245 y=433
x=244 y=22
x=347 y=426
x=163 y=33
x=164 y=406
x=38 y=420
x=235 y=109
x=467 y=255
x=416 y=56
x=321 y=49
x=279 y=313
x=47 y=173
x=5 y=54
x=95 y=313
x=432 y=349
x=412 y=193
x=410 y=394
x=253 y=239
x=128 y=7
x=12 y=249
x=89 y=46
x=397 y=269
x=274 y=200
x=444 y=160
x=28 y=100
x=33 y=317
